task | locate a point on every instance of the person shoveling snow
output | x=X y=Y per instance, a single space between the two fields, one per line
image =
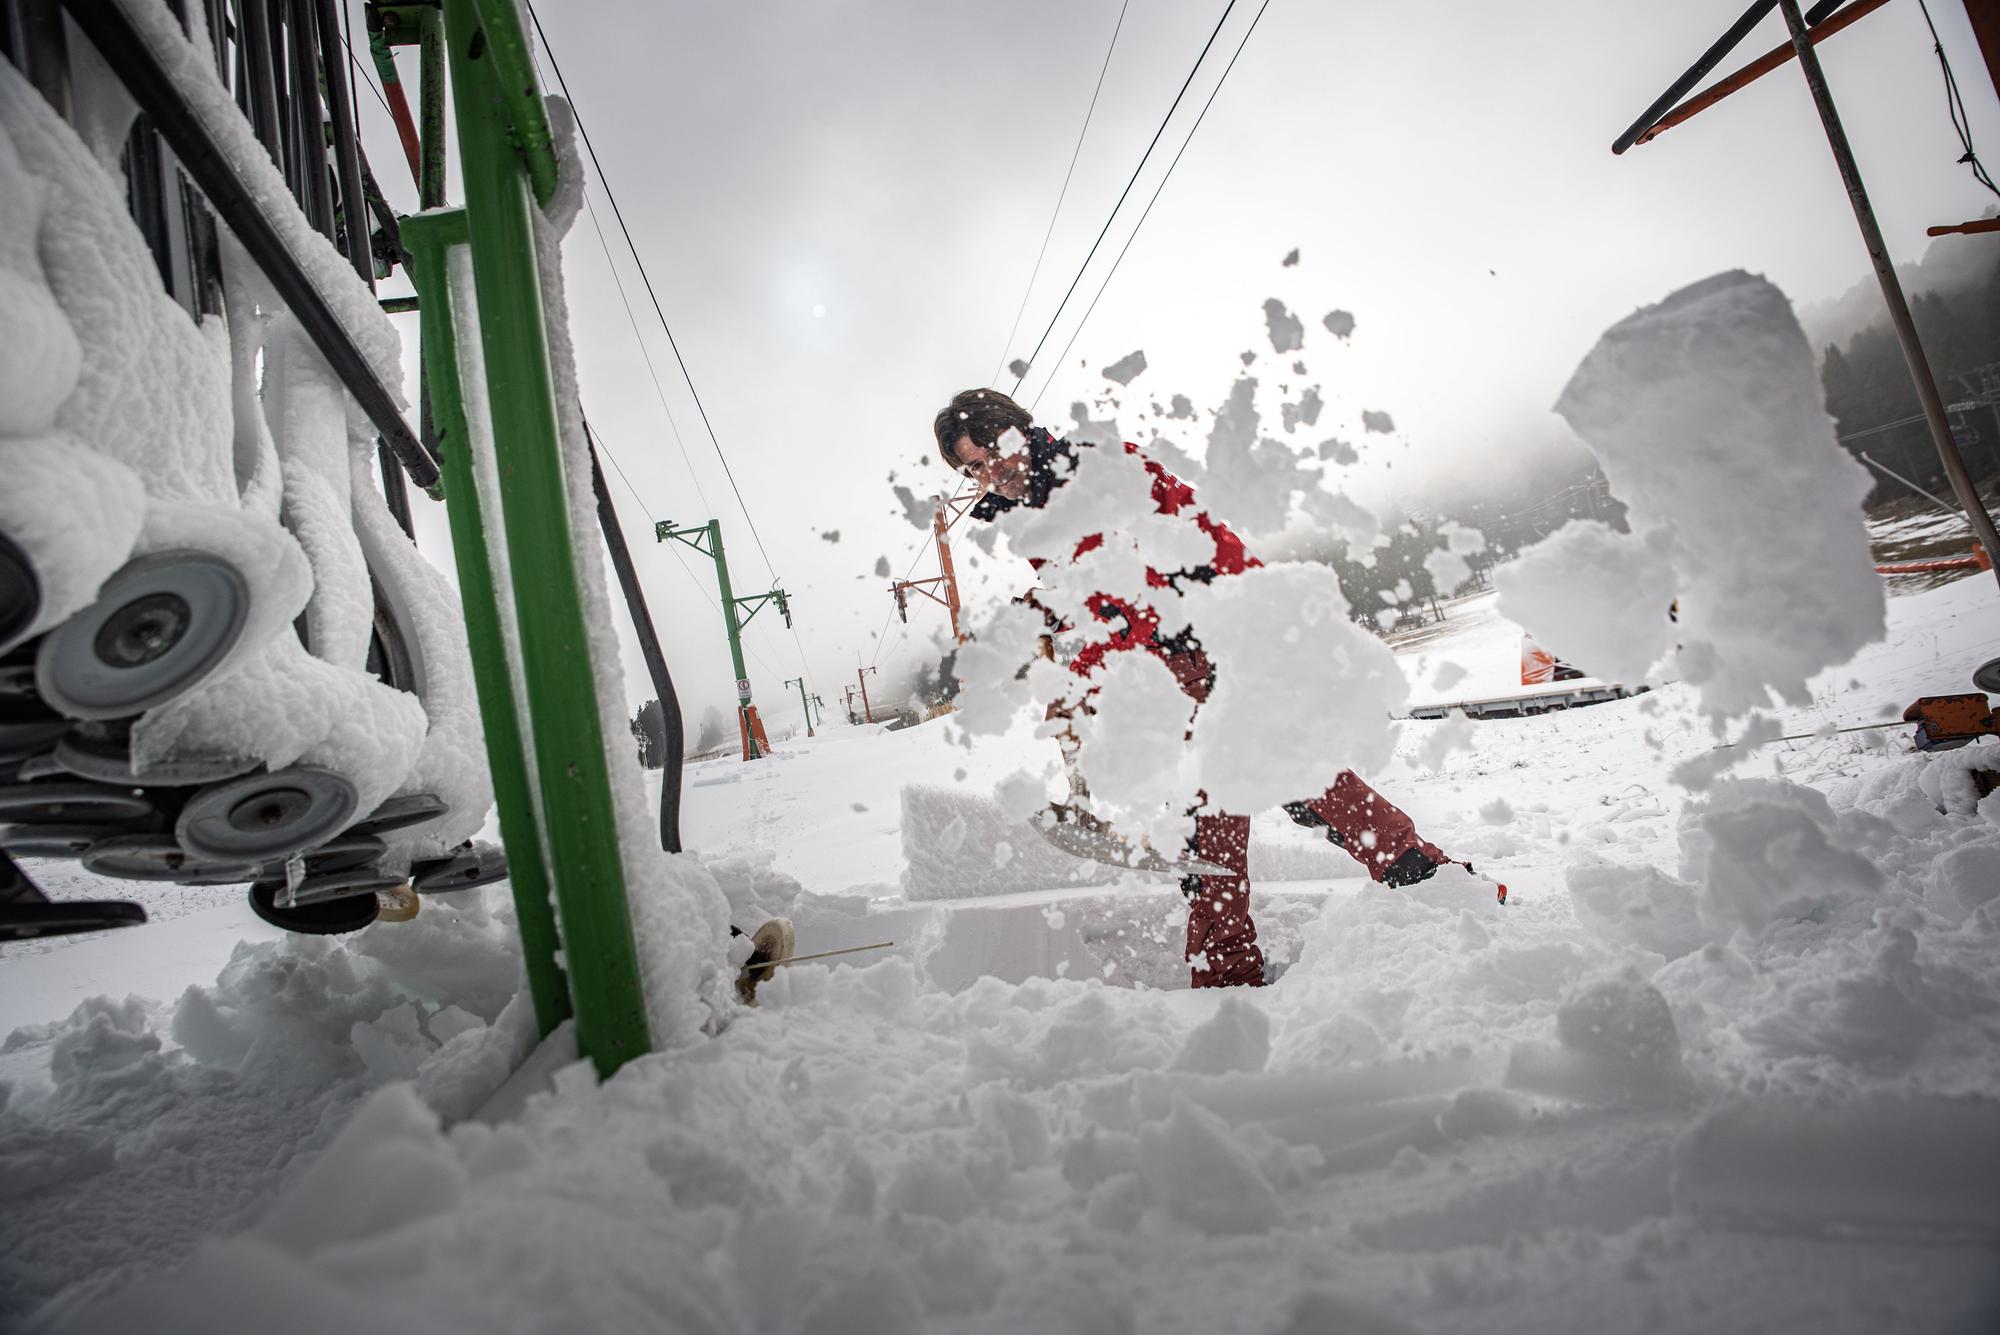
x=986 y=436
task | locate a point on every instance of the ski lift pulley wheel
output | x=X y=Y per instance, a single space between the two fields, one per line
x=72 y=803
x=20 y=591
x=400 y=813
x=91 y=751
x=159 y=627
x=479 y=864
x=21 y=738
x=261 y=818
x=1987 y=676
x=329 y=917
x=328 y=887
x=27 y=921
x=156 y=857
x=58 y=841
x=341 y=853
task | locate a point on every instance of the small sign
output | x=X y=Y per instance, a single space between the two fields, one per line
x=742 y=688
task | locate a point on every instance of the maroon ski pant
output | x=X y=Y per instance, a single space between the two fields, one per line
x=1221 y=935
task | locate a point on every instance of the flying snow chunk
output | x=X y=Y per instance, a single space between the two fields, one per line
x=1337 y=451
x=1292 y=258
x=1708 y=416
x=917 y=512
x=1595 y=597
x=1292 y=709
x=1132 y=743
x=1380 y=423
x=1180 y=409
x=1339 y=323
x=1018 y=369
x=831 y=535
x=1127 y=368
x=1303 y=413
x=882 y=567
x=1288 y=332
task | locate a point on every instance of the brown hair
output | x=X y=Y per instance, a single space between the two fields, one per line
x=983 y=414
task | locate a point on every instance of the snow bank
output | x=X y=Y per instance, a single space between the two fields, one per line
x=1707 y=415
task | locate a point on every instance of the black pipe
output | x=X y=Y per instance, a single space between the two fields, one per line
x=311 y=129
x=255 y=43
x=1710 y=58
x=649 y=645
x=133 y=61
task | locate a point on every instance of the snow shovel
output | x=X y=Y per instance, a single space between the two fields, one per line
x=1081 y=835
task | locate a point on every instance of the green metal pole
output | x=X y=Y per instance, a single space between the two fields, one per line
x=579 y=820
x=430 y=109
x=514 y=81
x=805 y=706
x=735 y=629
x=427 y=237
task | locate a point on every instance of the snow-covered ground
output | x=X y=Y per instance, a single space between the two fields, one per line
x=1727 y=1062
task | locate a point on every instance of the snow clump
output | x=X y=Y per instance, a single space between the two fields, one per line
x=1707 y=414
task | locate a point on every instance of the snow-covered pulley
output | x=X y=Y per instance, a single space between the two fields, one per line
x=1987 y=676
x=261 y=818
x=159 y=627
x=328 y=917
x=156 y=857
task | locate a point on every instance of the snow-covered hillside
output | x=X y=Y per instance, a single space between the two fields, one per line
x=1726 y=1063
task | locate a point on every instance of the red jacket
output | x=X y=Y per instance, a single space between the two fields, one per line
x=1127 y=623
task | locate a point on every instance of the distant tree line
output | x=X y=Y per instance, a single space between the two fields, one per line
x=1870 y=394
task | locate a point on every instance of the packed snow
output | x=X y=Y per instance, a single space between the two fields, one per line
x=1727 y=1063
x=1726 y=1059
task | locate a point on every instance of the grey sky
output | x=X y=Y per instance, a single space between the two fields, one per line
x=1443 y=167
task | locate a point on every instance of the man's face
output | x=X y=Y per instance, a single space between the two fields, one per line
x=1003 y=474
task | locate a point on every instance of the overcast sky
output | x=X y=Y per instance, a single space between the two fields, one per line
x=840 y=205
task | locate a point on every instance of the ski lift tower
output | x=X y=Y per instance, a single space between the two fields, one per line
x=941 y=588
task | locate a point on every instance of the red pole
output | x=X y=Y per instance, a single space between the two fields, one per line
x=860 y=675
x=939 y=526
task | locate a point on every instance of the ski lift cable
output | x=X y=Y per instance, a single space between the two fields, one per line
x=1061 y=195
x=1955 y=105
x=1188 y=82
x=659 y=391
x=1164 y=178
x=619 y=215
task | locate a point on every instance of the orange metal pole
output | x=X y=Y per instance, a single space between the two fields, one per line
x=1776 y=58
x=939 y=525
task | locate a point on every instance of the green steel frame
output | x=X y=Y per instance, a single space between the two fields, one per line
x=551 y=780
x=711 y=534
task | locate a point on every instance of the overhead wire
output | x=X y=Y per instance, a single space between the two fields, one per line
x=1955 y=105
x=1061 y=195
x=1164 y=178
x=1143 y=157
x=618 y=214
x=659 y=391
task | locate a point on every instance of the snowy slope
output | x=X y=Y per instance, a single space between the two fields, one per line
x=1728 y=1065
